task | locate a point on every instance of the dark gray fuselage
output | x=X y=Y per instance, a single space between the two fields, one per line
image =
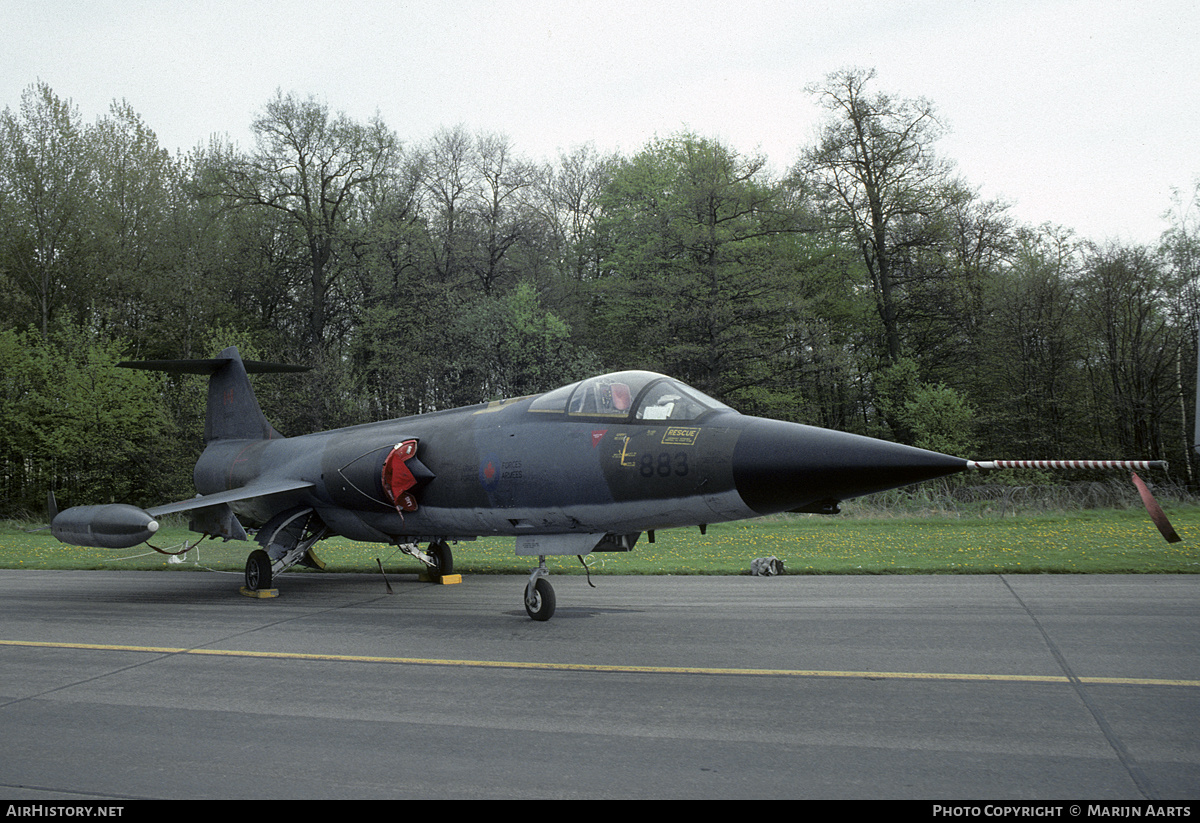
x=505 y=468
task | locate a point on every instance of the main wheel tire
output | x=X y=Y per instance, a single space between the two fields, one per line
x=443 y=559
x=539 y=602
x=258 y=571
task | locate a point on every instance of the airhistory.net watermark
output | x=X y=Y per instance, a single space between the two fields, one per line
x=49 y=810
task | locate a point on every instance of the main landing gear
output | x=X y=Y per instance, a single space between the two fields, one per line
x=286 y=541
x=258 y=571
x=294 y=536
x=443 y=559
x=261 y=566
x=438 y=560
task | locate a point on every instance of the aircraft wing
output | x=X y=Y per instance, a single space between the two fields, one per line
x=203 y=501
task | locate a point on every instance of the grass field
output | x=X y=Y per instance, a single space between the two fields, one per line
x=1106 y=541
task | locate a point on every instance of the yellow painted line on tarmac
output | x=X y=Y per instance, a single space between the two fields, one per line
x=609 y=668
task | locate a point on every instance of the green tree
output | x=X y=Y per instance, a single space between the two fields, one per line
x=235 y=268
x=697 y=267
x=25 y=473
x=1135 y=346
x=460 y=348
x=895 y=386
x=1029 y=373
x=533 y=351
x=828 y=359
x=135 y=253
x=77 y=424
x=942 y=262
x=941 y=420
x=44 y=198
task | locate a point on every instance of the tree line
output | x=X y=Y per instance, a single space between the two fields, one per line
x=867 y=288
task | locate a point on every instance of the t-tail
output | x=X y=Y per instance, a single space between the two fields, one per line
x=233 y=411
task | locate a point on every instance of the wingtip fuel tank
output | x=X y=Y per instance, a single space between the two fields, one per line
x=110 y=526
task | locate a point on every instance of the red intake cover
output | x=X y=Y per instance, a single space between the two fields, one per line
x=397 y=479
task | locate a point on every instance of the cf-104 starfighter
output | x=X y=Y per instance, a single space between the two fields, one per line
x=585 y=468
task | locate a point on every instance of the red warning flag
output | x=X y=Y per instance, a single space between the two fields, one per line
x=1155 y=511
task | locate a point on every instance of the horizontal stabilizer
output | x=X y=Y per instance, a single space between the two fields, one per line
x=210 y=366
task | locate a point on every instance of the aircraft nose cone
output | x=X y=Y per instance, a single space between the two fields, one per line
x=780 y=466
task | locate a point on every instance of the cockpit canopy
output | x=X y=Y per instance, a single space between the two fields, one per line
x=628 y=395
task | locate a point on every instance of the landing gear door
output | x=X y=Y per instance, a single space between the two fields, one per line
x=538 y=545
x=543 y=545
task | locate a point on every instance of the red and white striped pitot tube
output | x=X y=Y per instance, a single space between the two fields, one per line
x=1131 y=465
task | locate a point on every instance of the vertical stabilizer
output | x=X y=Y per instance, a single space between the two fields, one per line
x=233 y=411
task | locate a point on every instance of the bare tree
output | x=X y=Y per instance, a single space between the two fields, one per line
x=477 y=189
x=570 y=198
x=503 y=180
x=309 y=166
x=448 y=162
x=874 y=169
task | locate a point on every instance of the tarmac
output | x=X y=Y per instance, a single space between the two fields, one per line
x=118 y=685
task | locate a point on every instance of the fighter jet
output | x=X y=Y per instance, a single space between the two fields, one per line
x=588 y=467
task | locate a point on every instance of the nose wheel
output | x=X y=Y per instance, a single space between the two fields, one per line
x=539 y=594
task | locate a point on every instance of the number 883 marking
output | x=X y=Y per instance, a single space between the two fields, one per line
x=664 y=465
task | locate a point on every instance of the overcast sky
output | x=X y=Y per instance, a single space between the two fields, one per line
x=1083 y=113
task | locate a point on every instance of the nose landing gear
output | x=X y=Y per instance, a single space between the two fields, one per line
x=539 y=594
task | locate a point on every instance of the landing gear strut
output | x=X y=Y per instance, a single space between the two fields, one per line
x=439 y=560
